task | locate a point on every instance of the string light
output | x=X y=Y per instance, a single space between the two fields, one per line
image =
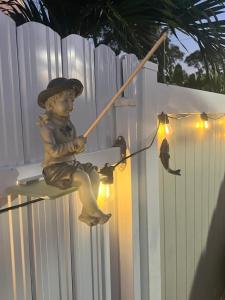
x=164 y=128
x=205 y=119
x=185 y=115
x=204 y=123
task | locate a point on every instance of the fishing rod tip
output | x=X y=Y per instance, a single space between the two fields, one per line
x=164 y=32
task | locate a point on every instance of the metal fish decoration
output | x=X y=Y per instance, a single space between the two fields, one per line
x=165 y=156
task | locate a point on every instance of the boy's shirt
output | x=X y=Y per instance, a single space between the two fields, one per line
x=58 y=137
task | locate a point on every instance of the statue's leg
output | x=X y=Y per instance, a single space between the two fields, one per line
x=95 y=182
x=87 y=196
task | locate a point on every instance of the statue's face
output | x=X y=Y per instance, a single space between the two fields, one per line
x=62 y=105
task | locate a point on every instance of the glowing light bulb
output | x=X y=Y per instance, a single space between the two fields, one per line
x=206 y=124
x=167 y=130
x=101 y=190
x=103 y=193
x=107 y=191
x=164 y=127
x=161 y=129
x=164 y=130
x=203 y=124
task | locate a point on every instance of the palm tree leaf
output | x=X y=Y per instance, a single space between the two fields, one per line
x=131 y=24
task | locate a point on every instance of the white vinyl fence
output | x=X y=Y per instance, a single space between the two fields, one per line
x=188 y=210
x=45 y=253
x=192 y=208
x=165 y=240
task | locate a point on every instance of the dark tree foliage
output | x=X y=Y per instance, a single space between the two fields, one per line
x=195 y=60
x=129 y=25
x=213 y=81
x=132 y=25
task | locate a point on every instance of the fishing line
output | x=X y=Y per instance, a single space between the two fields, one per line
x=20 y=205
x=141 y=150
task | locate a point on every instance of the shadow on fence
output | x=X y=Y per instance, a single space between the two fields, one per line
x=209 y=281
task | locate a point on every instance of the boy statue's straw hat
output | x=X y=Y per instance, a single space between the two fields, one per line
x=58 y=85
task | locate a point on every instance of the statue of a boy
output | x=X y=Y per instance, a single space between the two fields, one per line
x=60 y=167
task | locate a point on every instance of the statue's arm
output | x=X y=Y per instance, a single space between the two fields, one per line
x=57 y=150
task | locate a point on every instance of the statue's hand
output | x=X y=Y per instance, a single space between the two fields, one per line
x=84 y=139
x=80 y=143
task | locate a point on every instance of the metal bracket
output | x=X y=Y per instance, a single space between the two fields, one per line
x=120 y=142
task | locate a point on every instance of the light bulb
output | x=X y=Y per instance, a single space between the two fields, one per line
x=164 y=130
x=101 y=190
x=164 y=127
x=203 y=124
x=167 y=130
x=204 y=121
x=206 y=124
x=107 y=191
x=103 y=193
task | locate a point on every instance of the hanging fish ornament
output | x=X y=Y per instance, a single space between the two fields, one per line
x=165 y=156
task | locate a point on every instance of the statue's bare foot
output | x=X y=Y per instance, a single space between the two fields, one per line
x=89 y=220
x=94 y=217
x=104 y=218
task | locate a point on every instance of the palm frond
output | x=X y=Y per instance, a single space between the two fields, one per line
x=132 y=25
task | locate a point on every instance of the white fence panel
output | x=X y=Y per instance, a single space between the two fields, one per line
x=11 y=145
x=14 y=259
x=191 y=206
x=129 y=63
x=149 y=188
x=105 y=87
x=78 y=62
x=39 y=55
x=44 y=250
x=128 y=123
x=81 y=254
x=191 y=252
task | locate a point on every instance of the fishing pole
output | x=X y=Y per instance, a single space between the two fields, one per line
x=122 y=88
x=105 y=110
